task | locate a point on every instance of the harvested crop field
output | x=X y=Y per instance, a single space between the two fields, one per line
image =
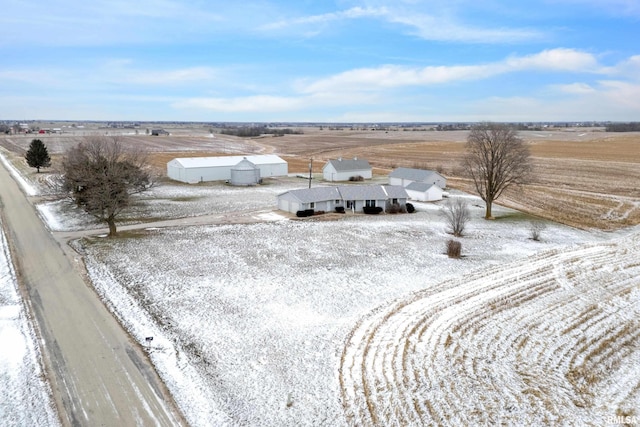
x=264 y=319
x=539 y=343
x=585 y=178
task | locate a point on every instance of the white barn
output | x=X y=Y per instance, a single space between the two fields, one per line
x=344 y=169
x=199 y=169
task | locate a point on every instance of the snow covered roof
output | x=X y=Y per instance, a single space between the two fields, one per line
x=244 y=164
x=420 y=186
x=315 y=194
x=347 y=192
x=412 y=174
x=205 y=162
x=345 y=165
x=395 y=191
x=362 y=192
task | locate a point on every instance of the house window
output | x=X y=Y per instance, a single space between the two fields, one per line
x=370 y=203
x=394 y=201
x=312 y=205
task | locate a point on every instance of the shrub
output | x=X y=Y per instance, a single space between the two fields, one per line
x=356 y=178
x=410 y=208
x=454 y=248
x=372 y=210
x=305 y=213
x=536 y=228
x=340 y=209
x=393 y=208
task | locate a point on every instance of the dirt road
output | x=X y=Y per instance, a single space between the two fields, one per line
x=98 y=375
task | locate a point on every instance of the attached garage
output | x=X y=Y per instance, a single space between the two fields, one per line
x=200 y=169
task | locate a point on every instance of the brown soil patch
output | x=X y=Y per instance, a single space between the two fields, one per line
x=583 y=178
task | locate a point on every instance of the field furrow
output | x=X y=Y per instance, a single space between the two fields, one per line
x=551 y=340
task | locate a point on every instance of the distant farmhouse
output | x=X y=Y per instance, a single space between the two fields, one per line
x=348 y=197
x=238 y=170
x=346 y=170
x=420 y=184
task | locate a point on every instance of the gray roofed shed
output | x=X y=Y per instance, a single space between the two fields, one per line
x=424 y=191
x=343 y=165
x=405 y=176
x=345 y=169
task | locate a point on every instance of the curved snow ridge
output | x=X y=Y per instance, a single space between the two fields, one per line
x=553 y=339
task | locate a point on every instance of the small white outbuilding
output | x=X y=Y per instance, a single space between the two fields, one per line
x=424 y=192
x=405 y=176
x=346 y=169
x=200 y=169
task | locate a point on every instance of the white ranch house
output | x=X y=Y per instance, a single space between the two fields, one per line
x=200 y=169
x=421 y=184
x=344 y=169
x=350 y=197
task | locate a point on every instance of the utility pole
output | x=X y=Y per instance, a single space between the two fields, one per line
x=310 y=171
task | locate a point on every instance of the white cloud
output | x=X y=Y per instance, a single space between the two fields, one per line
x=353 y=13
x=436 y=26
x=629 y=68
x=559 y=59
x=611 y=7
x=607 y=100
x=442 y=28
x=248 y=104
x=168 y=77
x=370 y=79
x=575 y=88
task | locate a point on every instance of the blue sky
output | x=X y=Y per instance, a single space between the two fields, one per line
x=320 y=61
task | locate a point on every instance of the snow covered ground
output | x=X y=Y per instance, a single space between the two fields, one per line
x=252 y=323
x=25 y=397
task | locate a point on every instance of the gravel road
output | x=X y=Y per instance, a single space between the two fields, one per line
x=99 y=376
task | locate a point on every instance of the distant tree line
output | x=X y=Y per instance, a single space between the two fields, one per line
x=252 y=131
x=623 y=127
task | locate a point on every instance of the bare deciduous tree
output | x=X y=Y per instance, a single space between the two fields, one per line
x=496 y=159
x=456 y=214
x=101 y=176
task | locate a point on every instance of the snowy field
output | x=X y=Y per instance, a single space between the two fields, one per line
x=365 y=320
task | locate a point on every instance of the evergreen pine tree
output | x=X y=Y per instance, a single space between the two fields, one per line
x=37 y=155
